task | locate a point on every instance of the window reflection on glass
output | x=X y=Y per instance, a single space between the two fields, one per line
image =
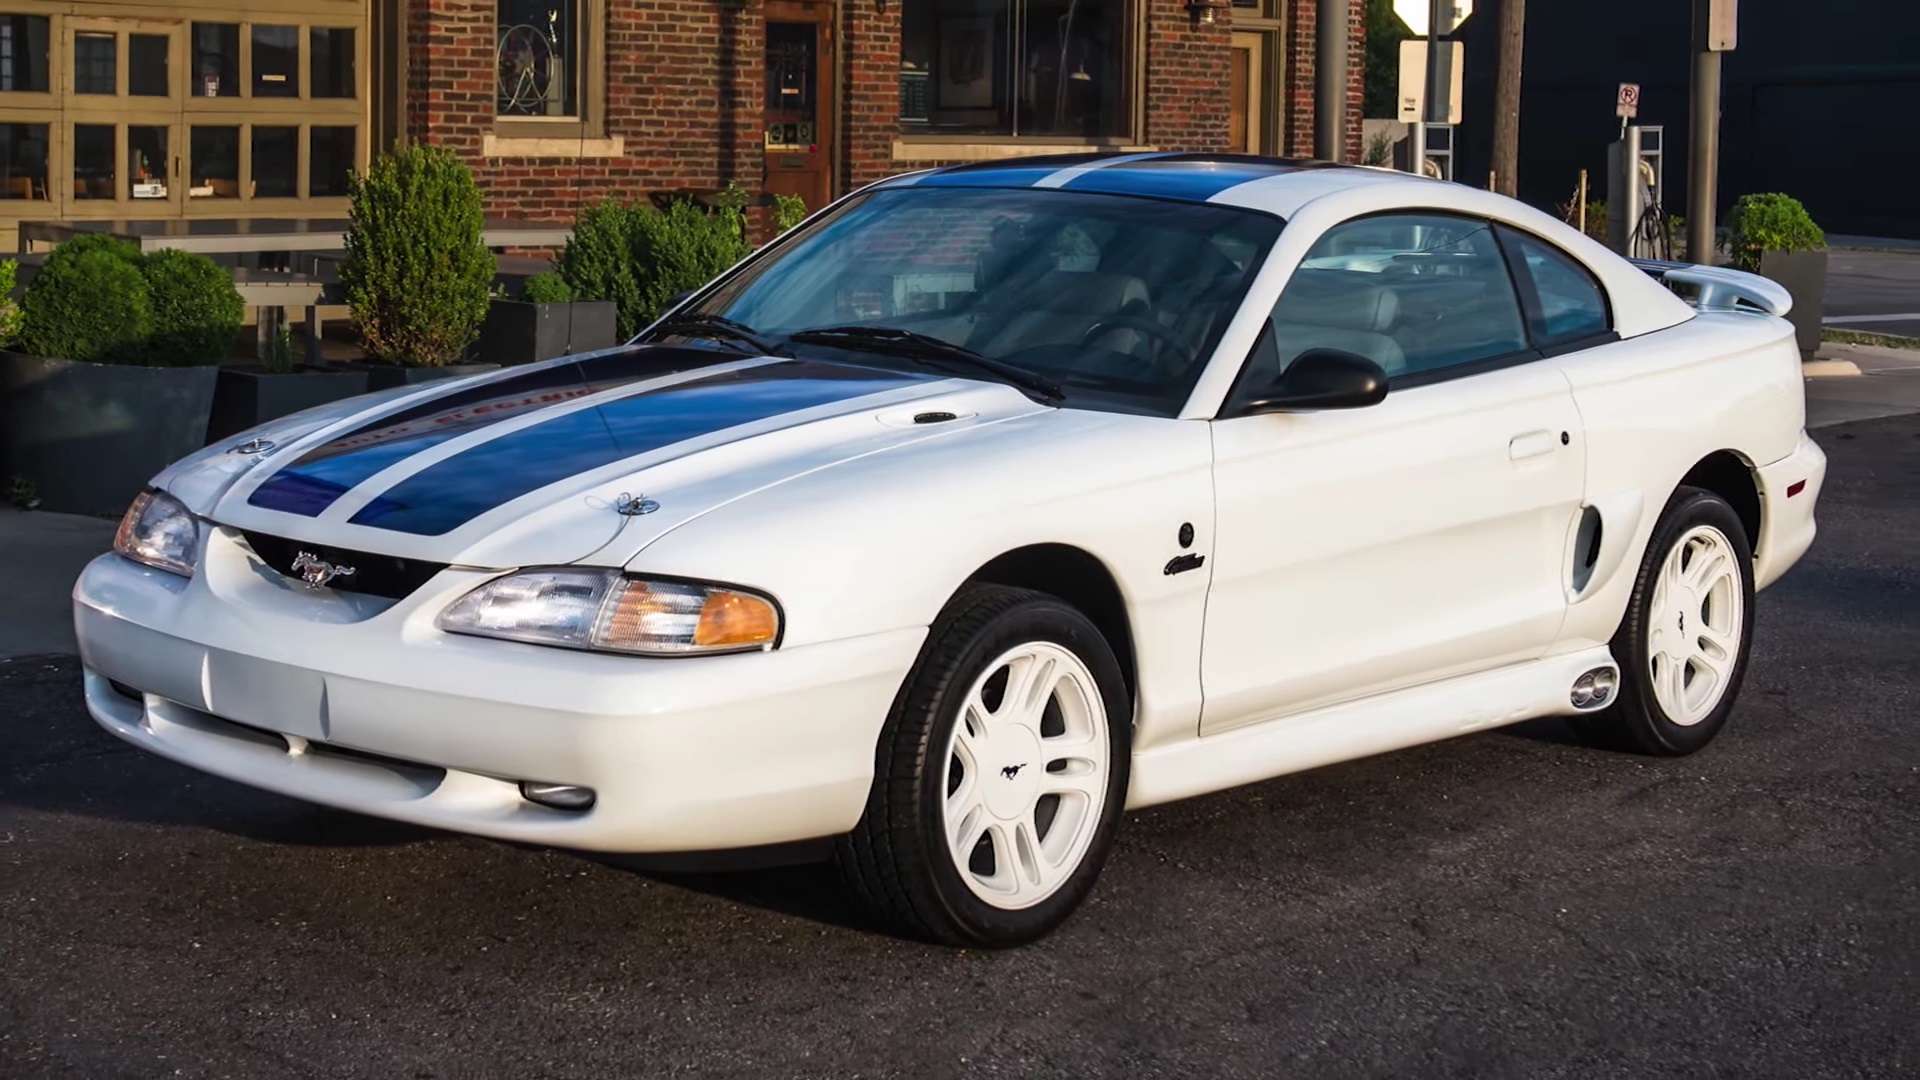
x=276 y=61
x=216 y=60
x=536 y=51
x=147 y=65
x=329 y=160
x=275 y=162
x=93 y=161
x=331 y=51
x=213 y=162
x=94 y=70
x=792 y=52
x=1072 y=73
x=23 y=161
x=146 y=161
x=23 y=53
x=959 y=72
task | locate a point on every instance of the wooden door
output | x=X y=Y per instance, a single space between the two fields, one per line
x=798 y=108
x=1245 y=94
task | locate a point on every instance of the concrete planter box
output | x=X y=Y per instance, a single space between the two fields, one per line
x=517 y=332
x=1804 y=274
x=251 y=395
x=388 y=376
x=89 y=437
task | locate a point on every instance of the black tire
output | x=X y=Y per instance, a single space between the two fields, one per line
x=896 y=862
x=1637 y=722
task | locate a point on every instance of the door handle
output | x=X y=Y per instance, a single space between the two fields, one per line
x=1532 y=444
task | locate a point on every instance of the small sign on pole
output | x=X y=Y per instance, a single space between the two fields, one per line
x=1627 y=104
x=1413 y=79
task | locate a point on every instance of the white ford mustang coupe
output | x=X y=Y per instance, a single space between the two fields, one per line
x=986 y=504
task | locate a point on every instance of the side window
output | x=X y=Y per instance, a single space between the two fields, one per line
x=1571 y=303
x=1415 y=293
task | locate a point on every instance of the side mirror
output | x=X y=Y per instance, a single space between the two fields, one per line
x=1323 y=379
x=678 y=298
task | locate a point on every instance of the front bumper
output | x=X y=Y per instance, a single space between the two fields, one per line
x=1789 y=488
x=364 y=705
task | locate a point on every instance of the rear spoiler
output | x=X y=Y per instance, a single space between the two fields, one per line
x=1719 y=288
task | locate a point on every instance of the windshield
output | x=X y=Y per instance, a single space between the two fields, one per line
x=1117 y=300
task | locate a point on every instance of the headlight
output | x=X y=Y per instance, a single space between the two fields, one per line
x=606 y=610
x=157 y=531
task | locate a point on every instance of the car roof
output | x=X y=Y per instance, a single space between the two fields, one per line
x=1276 y=185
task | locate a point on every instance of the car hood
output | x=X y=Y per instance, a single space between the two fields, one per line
x=584 y=459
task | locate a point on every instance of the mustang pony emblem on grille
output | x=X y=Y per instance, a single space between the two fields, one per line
x=316 y=571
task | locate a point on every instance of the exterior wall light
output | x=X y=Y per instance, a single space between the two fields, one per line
x=1203 y=10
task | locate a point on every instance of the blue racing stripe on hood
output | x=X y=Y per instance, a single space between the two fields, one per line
x=450 y=493
x=316 y=479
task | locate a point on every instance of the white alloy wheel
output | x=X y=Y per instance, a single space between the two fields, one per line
x=1026 y=775
x=1694 y=625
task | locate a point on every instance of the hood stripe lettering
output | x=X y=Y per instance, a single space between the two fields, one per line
x=318 y=478
x=450 y=493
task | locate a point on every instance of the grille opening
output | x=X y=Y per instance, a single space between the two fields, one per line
x=374 y=574
x=413 y=769
x=125 y=691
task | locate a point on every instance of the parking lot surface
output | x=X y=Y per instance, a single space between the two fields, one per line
x=1508 y=904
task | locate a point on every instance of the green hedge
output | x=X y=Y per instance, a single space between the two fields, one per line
x=88 y=305
x=1769 y=222
x=196 y=310
x=417 y=272
x=639 y=257
x=98 y=298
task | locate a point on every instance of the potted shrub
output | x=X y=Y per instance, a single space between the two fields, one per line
x=112 y=376
x=546 y=321
x=641 y=258
x=1772 y=235
x=416 y=272
x=248 y=395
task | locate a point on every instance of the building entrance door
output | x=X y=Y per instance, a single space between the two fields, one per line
x=799 y=101
x=1247 y=121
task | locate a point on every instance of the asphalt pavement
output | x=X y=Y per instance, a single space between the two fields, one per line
x=1873 y=291
x=1507 y=904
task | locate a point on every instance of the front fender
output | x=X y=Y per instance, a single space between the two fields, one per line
x=881 y=543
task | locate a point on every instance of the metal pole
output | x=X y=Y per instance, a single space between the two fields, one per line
x=1330 y=81
x=1435 y=110
x=1623 y=219
x=1703 y=156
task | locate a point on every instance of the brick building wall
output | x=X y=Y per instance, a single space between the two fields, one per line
x=684 y=81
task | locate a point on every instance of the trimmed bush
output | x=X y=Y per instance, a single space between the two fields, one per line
x=196 y=310
x=85 y=242
x=417 y=273
x=9 y=311
x=639 y=258
x=90 y=305
x=546 y=289
x=1769 y=222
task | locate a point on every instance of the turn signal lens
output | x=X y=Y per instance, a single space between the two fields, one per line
x=731 y=620
x=676 y=617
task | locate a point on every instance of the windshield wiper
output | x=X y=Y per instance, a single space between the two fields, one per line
x=716 y=328
x=925 y=347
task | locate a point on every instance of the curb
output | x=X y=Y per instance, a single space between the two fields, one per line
x=1818 y=369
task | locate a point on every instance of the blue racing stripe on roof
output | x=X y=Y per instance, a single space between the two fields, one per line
x=450 y=493
x=1175 y=178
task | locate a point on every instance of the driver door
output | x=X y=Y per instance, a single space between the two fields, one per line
x=1366 y=550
